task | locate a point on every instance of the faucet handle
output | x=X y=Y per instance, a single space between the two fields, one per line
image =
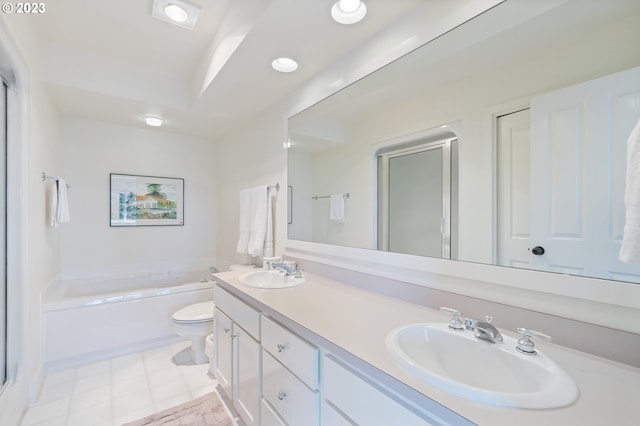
x=456 y=321
x=525 y=344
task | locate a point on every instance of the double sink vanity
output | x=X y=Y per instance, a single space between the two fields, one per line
x=306 y=350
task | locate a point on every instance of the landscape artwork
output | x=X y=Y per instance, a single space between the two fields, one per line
x=146 y=200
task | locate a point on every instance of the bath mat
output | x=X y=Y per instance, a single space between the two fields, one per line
x=208 y=410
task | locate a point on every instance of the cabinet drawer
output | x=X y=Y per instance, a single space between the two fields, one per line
x=293 y=352
x=363 y=402
x=241 y=313
x=269 y=417
x=293 y=400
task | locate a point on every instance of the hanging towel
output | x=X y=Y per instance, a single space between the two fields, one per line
x=255 y=221
x=268 y=239
x=336 y=208
x=259 y=221
x=59 y=203
x=630 y=249
x=245 y=221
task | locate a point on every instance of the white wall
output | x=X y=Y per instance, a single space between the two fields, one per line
x=90 y=151
x=253 y=156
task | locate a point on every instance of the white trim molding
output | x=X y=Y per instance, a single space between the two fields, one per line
x=601 y=302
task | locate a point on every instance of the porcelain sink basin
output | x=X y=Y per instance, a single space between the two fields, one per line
x=490 y=373
x=269 y=279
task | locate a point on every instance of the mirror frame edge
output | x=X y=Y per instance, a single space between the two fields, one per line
x=600 y=302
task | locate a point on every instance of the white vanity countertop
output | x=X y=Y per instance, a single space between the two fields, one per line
x=358 y=321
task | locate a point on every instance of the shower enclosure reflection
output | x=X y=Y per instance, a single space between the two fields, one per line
x=416 y=189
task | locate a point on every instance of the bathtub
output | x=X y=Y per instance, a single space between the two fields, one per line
x=91 y=319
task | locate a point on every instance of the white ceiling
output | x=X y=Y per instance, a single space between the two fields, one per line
x=112 y=61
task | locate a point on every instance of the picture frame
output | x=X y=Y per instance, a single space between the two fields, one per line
x=137 y=200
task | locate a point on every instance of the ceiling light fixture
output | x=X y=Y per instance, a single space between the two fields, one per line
x=348 y=11
x=284 y=65
x=176 y=13
x=179 y=12
x=153 y=121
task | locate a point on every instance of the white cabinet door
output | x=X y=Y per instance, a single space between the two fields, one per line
x=223 y=350
x=246 y=376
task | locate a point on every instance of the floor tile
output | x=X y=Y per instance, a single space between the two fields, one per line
x=120 y=390
x=133 y=415
x=55 y=392
x=57 y=421
x=46 y=411
x=159 y=377
x=58 y=377
x=102 y=367
x=196 y=381
x=129 y=386
x=169 y=390
x=84 y=384
x=82 y=400
x=172 y=402
x=126 y=404
x=93 y=415
x=197 y=393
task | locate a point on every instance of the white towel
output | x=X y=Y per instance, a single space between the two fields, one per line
x=336 y=208
x=630 y=249
x=245 y=221
x=59 y=203
x=268 y=239
x=256 y=231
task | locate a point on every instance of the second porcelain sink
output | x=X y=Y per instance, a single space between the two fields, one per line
x=270 y=279
x=496 y=374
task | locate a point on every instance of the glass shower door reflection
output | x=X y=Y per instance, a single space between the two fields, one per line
x=415 y=200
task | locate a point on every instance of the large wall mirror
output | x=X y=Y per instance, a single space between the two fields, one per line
x=532 y=102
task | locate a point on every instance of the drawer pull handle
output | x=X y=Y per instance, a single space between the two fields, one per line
x=281 y=347
x=282 y=395
x=227 y=330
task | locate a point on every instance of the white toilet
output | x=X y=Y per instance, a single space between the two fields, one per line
x=195 y=322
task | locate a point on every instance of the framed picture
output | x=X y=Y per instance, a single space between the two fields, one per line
x=146 y=200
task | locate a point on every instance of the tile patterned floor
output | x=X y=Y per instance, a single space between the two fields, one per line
x=119 y=390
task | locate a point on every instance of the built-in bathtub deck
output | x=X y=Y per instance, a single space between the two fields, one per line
x=86 y=320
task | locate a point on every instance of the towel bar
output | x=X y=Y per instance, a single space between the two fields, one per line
x=316 y=197
x=44 y=177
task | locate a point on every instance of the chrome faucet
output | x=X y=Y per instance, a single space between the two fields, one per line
x=486 y=331
x=289 y=270
x=481 y=329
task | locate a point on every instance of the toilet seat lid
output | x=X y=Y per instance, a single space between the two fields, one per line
x=198 y=312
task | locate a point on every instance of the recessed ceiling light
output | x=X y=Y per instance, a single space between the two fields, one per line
x=348 y=11
x=176 y=13
x=284 y=65
x=179 y=12
x=153 y=121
